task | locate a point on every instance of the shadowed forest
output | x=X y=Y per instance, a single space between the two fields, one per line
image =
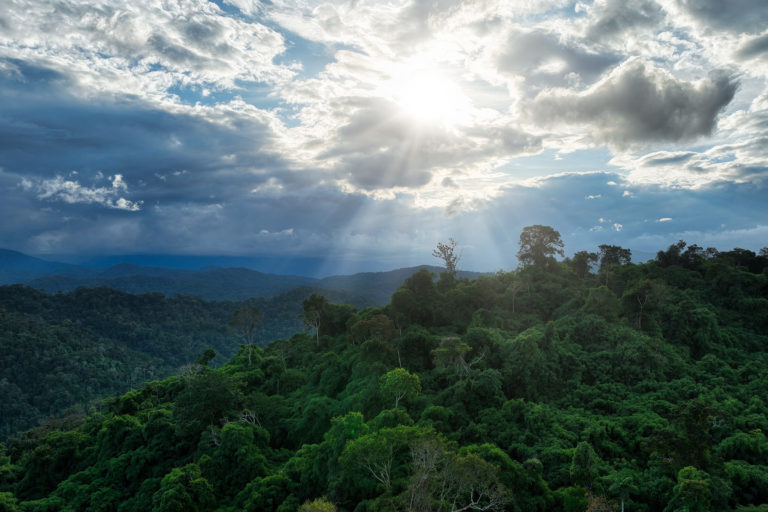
x=587 y=384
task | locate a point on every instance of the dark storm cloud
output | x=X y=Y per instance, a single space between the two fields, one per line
x=639 y=103
x=735 y=16
x=46 y=132
x=94 y=172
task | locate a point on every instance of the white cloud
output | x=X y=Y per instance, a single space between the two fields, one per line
x=72 y=192
x=143 y=47
x=738 y=162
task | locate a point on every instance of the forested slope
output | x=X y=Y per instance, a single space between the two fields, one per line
x=63 y=350
x=549 y=388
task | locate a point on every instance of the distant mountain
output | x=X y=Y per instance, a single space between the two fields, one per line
x=310 y=266
x=380 y=286
x=17 y=267
x=215 y=283
x=212 y=282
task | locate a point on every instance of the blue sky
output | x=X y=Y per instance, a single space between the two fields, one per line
x=361 y=133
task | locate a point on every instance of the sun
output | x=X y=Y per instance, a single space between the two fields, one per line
x=428 y=96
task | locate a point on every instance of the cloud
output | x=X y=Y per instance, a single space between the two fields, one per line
x=754 y=47
x=186 y=154
x=737 y=16
x=246 y=127
x=637 y=103
x=547 y=59
x=664 y=158
x=142 y=47
x=72 y=192
x=611 y=19
x=372 y=143
x=739 y=162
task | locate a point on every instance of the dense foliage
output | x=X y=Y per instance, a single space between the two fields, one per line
x=554 y=387
x=64 y=350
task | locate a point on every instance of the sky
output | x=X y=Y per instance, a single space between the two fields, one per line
x=362 y=133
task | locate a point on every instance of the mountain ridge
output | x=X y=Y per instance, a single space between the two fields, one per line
x=210 y=282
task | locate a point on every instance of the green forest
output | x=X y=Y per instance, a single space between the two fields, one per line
x=589 y=383
x=65 y=350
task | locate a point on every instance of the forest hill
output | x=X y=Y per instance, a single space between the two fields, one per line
x=590 y=383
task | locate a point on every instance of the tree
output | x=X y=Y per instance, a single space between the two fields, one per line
x=314 y=307
x=614 y=255
x=582 y=262
x=318 y=505
x=673 y=254
x=450 y=481
x=8 y=502
x=206 y=399
x=515 y=287
x=601 y=301
x=184 y=489
x=644 y=297
x=692 y=492
x=378 y=327
x=245 y=323
x=451 y=352
x=447 y=253
x=206 y=357
x=399 y=384
x=381 y=453
x=622 y=484
x=538 y=245
x=584 y=465
x=599 y=504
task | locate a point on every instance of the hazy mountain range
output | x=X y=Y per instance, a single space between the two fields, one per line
x=212 y=282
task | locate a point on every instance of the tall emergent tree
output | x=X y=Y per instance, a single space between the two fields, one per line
x=245 y=323
x=538 y=245
x=314 y=307
x=399 y=384
x=447 y=253
x=614 y=255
